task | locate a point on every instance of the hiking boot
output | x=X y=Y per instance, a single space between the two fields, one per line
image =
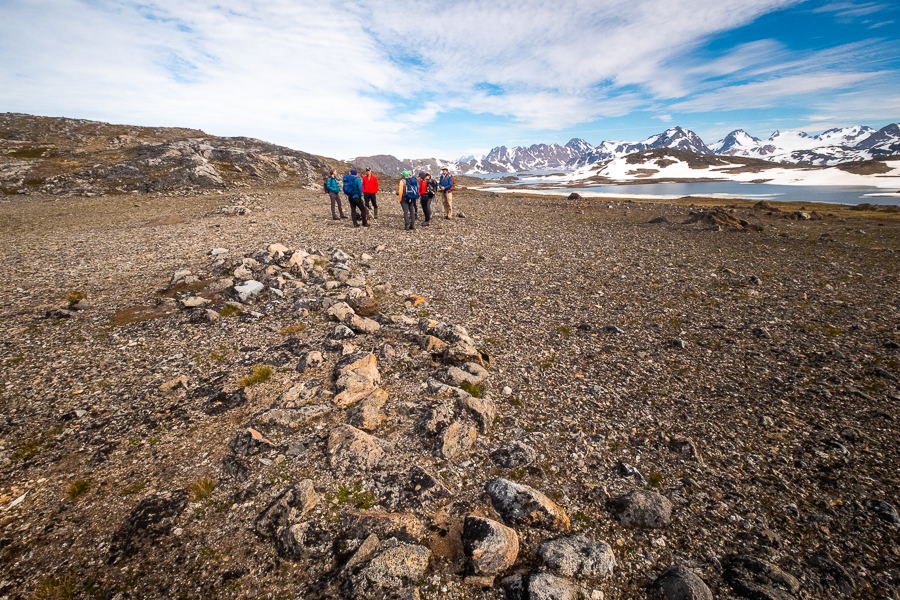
x=375 y=210
x=365 y=224
x=344 y=217
x=412 y=227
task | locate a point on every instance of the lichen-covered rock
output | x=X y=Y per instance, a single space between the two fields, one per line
x=393 y=568
x=754 y=578
x=405 y=527
x=249 y=442
x=643 y=509
x=150 y=520
x=458 y=438
x=437 y=418
x=368 y=414
x=520 y=504
x=357 y=376
x=309 y=360
x=461 y=352
x=280 y=521
x=350 y=449
x=679 y=583
x=538 y=586
x=361 y=325
x=577 y=556
x=833 y=575
x=513 y=455
x=339 y=312
x=491 y=547
x=482 y=410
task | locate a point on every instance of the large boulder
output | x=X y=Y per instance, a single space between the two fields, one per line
x=281 y=520
x=356 y=377
x=519 y=504
x=679 y=583
x=394 y=568
x=458 y=438
x=754 y=578
x=490 y=546
x=643 y=509
x=350 y=449
x=577 y=556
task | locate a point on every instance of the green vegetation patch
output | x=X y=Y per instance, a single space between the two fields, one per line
x=260 y=373
x=229 y=310
x=202 y=488
x=134 y=488
x=34 y=152
x=361 y=498
x=476 y=391
x=78 y=488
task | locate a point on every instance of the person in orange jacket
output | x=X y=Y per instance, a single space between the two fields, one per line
x=370 y=188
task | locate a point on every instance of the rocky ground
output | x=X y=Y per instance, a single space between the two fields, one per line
x=547 y=398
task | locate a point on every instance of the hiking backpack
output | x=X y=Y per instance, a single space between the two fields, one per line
x=351 y=188
x=432 y=186
x=412 y=189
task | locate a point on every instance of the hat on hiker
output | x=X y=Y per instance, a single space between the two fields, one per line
x=353 y=171
x=404 y=174
x=368 y=168
x=444 y=169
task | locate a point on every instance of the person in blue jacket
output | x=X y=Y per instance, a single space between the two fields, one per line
x=446 y=185
x=334 y=190
x=353 y=189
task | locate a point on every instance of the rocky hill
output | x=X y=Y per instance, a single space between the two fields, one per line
x=239 y=397
x=61 y=156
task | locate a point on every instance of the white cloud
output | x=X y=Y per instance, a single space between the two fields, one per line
x=352 y=77
x=851 y=9
x=765 y=94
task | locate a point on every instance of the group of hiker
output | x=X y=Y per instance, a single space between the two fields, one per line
x=414 y=191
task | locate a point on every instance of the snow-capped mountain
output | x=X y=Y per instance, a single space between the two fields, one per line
x=884 y=142
x=831 y=147
x=391 y=165
x=675 y=138
x=828 y=148
x=734 y=143
x=538 y=156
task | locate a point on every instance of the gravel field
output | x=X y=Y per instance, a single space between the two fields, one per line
x=719 y=395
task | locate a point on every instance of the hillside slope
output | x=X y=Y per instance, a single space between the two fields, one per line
x=62 y=156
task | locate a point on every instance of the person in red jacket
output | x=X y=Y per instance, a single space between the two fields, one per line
x=427 y=189
x=370 y=188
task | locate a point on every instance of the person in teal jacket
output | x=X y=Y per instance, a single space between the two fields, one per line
x=334 y=192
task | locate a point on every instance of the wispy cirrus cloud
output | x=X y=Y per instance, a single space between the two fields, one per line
x=851 y=9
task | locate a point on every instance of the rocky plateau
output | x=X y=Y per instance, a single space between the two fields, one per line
x=235 y=396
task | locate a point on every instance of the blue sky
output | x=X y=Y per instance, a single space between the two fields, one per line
x=422 y=78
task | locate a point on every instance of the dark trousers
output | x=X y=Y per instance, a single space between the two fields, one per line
x=409 y=207
x=335 y=201
x=357 y=203
x=371 y=201
x=426 y=206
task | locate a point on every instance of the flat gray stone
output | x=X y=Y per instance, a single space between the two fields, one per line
x=577 y=556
